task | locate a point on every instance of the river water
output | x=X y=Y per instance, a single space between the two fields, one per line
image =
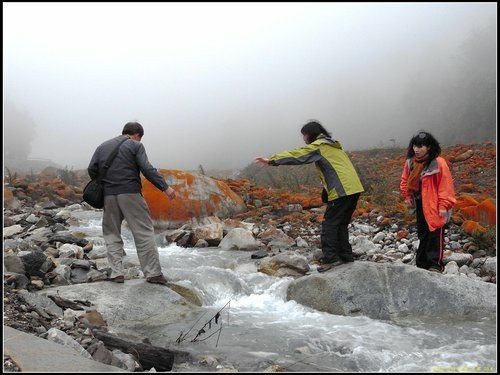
x=257 y=327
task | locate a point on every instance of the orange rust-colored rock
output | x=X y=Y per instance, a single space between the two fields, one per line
x=465 y=201
x=464 y=156
x=484 y=212
x=470 y=226
x=457 y=218
x=306 y=201
x=360 y=211
x=7 y=194
x=447 y=253
x=260 y=193
x=467 y=187
x=402 y=234
x=488 y=212
x=63 y=190
x=198 y=196
x=384 y=222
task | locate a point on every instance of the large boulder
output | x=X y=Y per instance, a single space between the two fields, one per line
x=392 y=291
x=130 y=307
x=198 y=196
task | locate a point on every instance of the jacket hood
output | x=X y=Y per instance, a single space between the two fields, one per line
x=323 y=138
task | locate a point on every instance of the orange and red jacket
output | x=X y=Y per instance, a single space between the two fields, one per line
x=437 y=190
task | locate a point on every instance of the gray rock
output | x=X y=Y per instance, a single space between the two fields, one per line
x=392 y=291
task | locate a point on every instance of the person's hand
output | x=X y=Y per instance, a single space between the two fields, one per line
x=409 y=202
x=442 y=213
x=170 y=193
x=263 y=161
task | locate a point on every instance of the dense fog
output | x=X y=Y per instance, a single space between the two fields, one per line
x=217 y=84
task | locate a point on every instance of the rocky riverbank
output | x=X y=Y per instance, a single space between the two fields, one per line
x=40 y=252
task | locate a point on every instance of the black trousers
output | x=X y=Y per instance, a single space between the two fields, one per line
x=430 y=250
x=334 y=232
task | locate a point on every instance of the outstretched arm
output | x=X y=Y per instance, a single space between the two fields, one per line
x=263 y=161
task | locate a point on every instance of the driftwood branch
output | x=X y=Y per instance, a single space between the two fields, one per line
x=65 y=303
x=162 y=359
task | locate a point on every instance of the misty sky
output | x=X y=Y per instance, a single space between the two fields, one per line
x=217 y=84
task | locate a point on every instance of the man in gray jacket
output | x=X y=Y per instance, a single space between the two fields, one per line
x=123 y=200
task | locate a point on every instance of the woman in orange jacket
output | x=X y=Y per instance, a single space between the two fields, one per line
x=427 y=187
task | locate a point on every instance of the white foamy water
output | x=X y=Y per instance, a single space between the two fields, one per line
x=260 y=328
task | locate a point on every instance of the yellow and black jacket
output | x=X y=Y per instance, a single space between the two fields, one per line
x=338 y=175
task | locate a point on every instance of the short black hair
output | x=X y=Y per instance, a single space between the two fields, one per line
x=132 y=128
x=424 y=138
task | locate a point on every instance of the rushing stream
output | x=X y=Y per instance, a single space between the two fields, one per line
x=260 y=328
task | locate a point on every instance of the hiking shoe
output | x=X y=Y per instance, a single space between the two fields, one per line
x=327 y=266
x=434 y=269
x=319 y=261
x=324 y=268
x=334 y=262
x=117 y=279
x=160 y=279
x=322 y=261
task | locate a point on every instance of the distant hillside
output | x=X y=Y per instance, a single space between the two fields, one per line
x=217 y=173
x=27 y=166
x=294 y=177
x=380 y=170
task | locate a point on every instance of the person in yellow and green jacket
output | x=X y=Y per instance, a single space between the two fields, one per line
x=427 y=188
x=341 y=189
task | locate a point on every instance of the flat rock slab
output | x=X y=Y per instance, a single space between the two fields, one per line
x=34 y=354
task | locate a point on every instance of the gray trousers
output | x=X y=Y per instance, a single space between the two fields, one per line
x=132 y=208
